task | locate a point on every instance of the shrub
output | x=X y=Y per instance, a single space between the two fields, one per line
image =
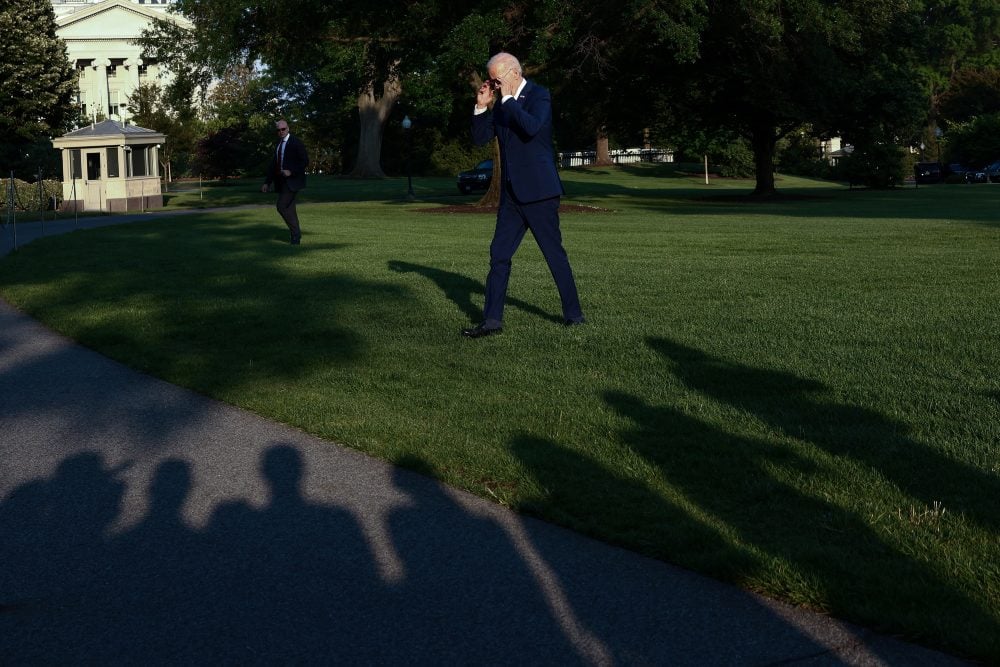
x=798 y=154
x=26 y=195
x=224 y=153
x=876 y=165
x=451 y=157
x=977 y=141
x=736 y=160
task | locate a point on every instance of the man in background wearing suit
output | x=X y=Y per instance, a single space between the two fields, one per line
x=287 y=171
x=530 y=188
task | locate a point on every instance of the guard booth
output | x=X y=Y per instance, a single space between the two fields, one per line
x=111 y=167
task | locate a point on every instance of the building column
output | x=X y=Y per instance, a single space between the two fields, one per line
x=101 y=66
x=133 y=65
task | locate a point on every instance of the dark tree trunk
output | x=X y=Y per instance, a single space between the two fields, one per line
x=603 y=157
x=372 y=114
x=491 y=197
x=763 y=142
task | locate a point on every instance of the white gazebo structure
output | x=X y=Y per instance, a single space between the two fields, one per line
x=112 y=167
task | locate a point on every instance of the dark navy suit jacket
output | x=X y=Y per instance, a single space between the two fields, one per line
x=296 y=161
x=524 y=128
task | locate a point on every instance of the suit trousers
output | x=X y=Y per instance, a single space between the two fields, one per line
x=513 y=220
x=286 y=209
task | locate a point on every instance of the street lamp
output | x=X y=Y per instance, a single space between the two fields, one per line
x=922 y=147
x=407 y=124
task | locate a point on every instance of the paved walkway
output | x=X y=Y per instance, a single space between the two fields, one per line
x=141 y=523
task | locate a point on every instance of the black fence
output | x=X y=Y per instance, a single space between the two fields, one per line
x=28 y=198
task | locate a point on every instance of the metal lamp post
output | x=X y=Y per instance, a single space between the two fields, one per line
x=407 y=124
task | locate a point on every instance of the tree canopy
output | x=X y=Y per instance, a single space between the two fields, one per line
x=766 y=68
x=37 y=81
x=711 y=73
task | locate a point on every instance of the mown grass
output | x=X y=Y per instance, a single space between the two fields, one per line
x=799 y=396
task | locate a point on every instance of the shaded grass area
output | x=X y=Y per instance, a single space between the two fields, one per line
x=796 y=396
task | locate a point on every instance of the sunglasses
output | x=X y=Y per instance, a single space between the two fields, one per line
x=282 y=129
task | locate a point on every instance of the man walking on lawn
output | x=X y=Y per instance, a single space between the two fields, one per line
x=529 y=198
x=287 y=171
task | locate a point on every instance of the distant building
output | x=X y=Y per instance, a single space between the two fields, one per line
x=100 y=41
x=833 y=150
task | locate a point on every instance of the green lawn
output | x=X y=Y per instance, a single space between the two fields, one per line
x=799 y=396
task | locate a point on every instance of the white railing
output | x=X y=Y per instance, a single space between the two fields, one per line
x=618 y=156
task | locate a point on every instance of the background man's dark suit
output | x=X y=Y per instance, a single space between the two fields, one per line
x=295 y=160
x=529 y=198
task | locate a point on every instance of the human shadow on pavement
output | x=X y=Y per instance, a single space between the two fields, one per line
x=460 y=289
x=291 y=581
x=451 y=554
x=52 y=549
x=274 y=577
x=299 y=575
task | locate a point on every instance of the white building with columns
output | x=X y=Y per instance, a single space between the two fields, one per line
x=100 y=41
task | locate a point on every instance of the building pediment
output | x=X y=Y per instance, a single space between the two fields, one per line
x=111 y=19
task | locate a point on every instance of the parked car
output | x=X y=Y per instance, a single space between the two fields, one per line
x=928 y=172
x=477 y=178
x=976 y=176
x=993 y=172
x=956 y=169
x=960 y=173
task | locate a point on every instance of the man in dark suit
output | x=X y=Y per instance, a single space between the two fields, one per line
x=287 y=171
x=529 y=199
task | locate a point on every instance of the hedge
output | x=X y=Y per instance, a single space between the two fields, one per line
x=26 y=195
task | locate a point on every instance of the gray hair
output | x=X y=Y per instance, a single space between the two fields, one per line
x=504 y=57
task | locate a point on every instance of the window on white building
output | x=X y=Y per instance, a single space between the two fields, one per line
x=113 y=163
x=140 y=161
x=75 y=164
x=113 y=68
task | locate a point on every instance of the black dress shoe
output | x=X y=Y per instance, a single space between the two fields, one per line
x=481 y=330
x=296 y=239
x=573 y=323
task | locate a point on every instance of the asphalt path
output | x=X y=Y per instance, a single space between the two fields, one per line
x=141 y=523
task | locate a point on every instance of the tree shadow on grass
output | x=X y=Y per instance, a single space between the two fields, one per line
x=460 y=290
x=819 y=202
x=838 y=553
x=795 y=407
x=744 y=509
x=742 y=536
x=209 y=304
